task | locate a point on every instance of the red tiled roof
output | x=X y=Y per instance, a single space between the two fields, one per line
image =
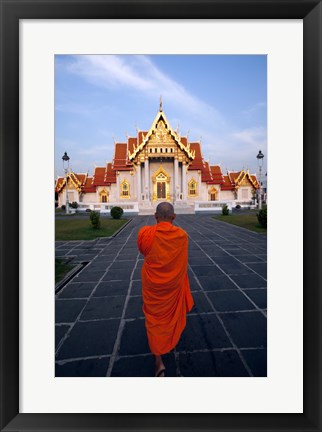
x=197 y=163
x=104 y=176
x=233 y=176
x=184 y=141
x=227 y=185
x=131 y=142
x=99 y=175
x=81 y=177
x=254 y=178
x=205 y=173
x=217 y=177
x=120 y=151
x=59 y=184
x=120 y=161
x=110 y=174
x=141 y=137
x=88 y=185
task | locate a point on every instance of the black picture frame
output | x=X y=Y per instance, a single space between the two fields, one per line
x=11 y=12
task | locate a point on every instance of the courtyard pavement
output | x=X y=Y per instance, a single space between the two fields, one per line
x=99 y=320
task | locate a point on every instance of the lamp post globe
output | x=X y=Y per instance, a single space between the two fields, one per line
x=65 y=159
x=260 y=158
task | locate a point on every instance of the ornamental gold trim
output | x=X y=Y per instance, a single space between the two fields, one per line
x=161 y=131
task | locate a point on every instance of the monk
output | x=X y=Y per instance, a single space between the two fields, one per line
x=165 y=284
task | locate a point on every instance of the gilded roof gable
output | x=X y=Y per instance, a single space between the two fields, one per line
x=161 y=133
x=245 y=179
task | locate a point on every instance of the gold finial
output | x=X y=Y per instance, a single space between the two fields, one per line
x=160 y=109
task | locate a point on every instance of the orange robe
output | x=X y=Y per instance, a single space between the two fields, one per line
x=165 y=284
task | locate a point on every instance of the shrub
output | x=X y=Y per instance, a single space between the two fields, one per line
x=262 y=217
x=63 y=207
x=95 y=218
x=74 y=205
x=116 y=212
x=225 y=210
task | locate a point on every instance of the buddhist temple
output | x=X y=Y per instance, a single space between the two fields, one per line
x=158 y=165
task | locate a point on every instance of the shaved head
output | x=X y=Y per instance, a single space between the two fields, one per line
x=165 y=212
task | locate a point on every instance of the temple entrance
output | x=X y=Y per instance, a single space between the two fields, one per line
x=213 y=194
x=161 y=185
x=161 y=190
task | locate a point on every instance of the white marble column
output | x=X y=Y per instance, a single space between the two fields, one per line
x=147 y=179
x=175 y=180
x=184 y=181
x=138 y=173
x=118 y=192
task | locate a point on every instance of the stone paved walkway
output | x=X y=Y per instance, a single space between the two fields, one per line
x=99 y=321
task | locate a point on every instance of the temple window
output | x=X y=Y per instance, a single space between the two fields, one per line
x=125 y=189
x=150 y=150
x=155 y=150
x=213 y=194
x=166 y=150
x=103 y=196
x=161 y=150
x=192 y=188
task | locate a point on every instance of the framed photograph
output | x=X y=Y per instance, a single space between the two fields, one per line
x=289 y=398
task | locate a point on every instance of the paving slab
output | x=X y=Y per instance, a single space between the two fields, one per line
x=89 y=339
x=60 y=331
x=258 y=296
x=221 y=282
x=134 y=340
x=202 y=303
x=136 y=288
x=247 y=329
x=249 y=281
x=203 y=332
x=103 y=308
x=111 y=288
x=100 y=327
x=256 y=360
x=83 y=368
x=227 y=301
x=67 y=311
x=212 y=364
x=134 y=308
x=76 y=290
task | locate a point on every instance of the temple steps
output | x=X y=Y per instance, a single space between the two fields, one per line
x=178 y=210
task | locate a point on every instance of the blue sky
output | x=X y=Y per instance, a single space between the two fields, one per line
x=218 y=99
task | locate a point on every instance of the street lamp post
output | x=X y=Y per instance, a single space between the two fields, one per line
x=66 y=166
x=260 y=157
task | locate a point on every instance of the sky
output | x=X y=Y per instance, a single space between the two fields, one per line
x=220 y=100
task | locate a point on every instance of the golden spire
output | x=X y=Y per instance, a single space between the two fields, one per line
x=160 y=109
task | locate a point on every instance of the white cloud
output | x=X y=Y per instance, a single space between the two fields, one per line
x=252 y=136
x=254 y=110
x=140 y=74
